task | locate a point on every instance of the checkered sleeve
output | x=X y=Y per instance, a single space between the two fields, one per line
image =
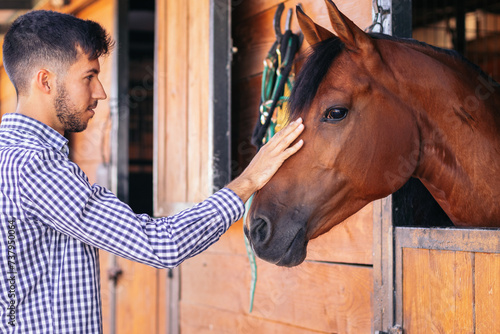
x=56 y=193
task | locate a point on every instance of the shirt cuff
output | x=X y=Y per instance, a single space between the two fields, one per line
x=229 y=205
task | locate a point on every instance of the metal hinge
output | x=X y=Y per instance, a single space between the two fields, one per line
x=114 y=273
x=394 y=330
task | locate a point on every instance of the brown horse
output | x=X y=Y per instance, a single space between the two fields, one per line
x=378 y=110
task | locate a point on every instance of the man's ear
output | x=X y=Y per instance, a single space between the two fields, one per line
x=44 y=81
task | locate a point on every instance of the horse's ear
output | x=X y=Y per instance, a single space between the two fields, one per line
x=313 y=33
x=349 y=33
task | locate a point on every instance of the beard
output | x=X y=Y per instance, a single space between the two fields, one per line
x=67 y=114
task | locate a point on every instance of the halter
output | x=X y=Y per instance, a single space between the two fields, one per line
x=277 y=80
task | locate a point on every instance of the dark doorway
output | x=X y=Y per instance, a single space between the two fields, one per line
x=141 y=22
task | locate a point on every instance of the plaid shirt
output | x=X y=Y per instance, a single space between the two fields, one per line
x=52 y=222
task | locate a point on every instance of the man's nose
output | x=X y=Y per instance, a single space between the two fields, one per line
x=99 y=93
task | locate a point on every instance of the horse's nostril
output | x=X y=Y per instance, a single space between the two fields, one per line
x=259 y=230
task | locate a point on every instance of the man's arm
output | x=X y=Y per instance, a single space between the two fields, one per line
x=56 y=193
x=267 y=161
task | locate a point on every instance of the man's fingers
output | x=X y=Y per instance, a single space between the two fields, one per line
x=293 y=149
x=288 y=134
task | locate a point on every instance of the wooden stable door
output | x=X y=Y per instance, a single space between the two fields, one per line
x=447 y=280
x=434 y=280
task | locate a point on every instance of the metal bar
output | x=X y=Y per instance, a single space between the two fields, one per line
x=398 y=277
x=460 y=29
x=220 y=91
x=123 y=100
x=401 y=18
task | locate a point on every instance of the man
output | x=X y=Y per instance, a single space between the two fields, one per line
x=52 y=220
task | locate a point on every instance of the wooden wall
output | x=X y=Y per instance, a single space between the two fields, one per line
x=182 y=116
x=331 y=291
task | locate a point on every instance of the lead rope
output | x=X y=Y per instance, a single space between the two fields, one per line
x=251 y=257
x=277 y=82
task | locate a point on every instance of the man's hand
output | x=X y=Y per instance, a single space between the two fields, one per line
x=267 y=161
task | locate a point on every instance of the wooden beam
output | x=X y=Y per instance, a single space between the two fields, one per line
x=16 y=4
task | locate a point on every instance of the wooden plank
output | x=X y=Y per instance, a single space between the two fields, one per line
x=220 y=281
x=487 y=289
x=8 y=98
x=197 y=100
x=106 y=290
x=349 y=242
x=458 y=239
x=160 y=104
x=317 y=296
x=416 y=292
x=196 y=319
x=163 y=320
x=137 y=298
x=437 y=291
x=464 y=292
x=442 y=290
x=175 y=136
x=204 y=174
x=383 y=265
x=244 y=10
x=74 y=7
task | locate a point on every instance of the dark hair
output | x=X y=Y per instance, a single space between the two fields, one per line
x=312 y=74
x=41 y=38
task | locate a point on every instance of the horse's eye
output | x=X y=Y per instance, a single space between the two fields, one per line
x=335 y=114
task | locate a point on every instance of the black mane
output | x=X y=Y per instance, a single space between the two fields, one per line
x=321 y=58
x=312 y=74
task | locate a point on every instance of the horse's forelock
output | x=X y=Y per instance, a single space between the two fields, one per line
x=312 y=74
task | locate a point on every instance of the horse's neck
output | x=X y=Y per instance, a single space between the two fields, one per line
x=460 y=152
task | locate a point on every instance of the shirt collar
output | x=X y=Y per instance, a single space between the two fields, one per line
x=23 y=123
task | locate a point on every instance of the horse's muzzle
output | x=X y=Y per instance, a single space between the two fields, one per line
x=282 y=247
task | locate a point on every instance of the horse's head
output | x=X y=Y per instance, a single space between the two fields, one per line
x=349 y=114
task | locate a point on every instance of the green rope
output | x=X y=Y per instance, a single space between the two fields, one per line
x=251 y=257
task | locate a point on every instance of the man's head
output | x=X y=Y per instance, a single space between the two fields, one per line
x=53 y=61
x=52 y=40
